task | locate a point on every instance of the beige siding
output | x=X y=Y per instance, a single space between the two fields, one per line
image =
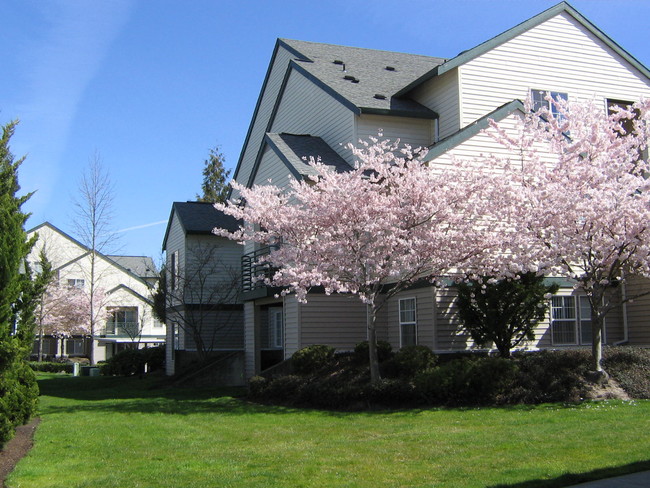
x=558 y=55
x=440 y=94
x=291 y=325
x=265 y=109
x=449 y=335
x=307 y=109
x=425 y=310
x=638 y=313
x=415 y=132
x=336 y=320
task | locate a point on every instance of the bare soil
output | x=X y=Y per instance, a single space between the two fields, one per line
x=17 y=448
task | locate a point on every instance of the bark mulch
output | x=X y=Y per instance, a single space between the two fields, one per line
x=17 y=448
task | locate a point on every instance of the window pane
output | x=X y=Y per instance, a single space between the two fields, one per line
x=539 y=100
x=409 y=335
x=564 y=332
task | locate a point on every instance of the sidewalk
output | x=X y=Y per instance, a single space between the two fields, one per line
x=635 y=480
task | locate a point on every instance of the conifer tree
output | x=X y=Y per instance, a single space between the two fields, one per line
x=215 y=185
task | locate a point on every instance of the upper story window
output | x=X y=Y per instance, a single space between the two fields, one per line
x=77 y=283
x=540 y=100
x=173 y=278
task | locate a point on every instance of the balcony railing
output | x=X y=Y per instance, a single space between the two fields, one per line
x=128 y=329
x=253 y=272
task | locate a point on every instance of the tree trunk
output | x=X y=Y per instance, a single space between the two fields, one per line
x=40 y=342
x=596 y=341
x=372 y=344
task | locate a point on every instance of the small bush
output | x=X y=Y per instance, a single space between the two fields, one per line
x=409 y=361
x=361 y=354
x=51 y=367
x=257 y=386
x=311 y=359
x=391 y=392
x=132 y=361
x=18 y=397
x=630 y=367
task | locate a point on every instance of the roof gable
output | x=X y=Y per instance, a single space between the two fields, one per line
x=473 y=129
x=199 y=218
x=496 y=41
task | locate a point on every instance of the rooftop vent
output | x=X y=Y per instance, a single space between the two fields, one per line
x=338 y=61
x=389 y=68
x=379 y=96
x=351 y=78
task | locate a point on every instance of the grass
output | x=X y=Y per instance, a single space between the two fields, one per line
x=115 y=432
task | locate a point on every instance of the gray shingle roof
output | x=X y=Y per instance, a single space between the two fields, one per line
x=201 y=218
x=296 y=149
x=142 y=266
x=359 y=75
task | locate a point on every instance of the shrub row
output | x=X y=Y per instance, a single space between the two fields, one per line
x=415 y=376
x=132 y=361
x=18 y=396
x=51 y=367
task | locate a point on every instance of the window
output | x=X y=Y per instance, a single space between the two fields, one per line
x=173 y=279
x=408 y=322
x=570 y=320
x=74 y=347
x=539 y=100
x=77 y=283
x=275 y=327
x=122 y=321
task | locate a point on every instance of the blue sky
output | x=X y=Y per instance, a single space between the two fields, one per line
x=151 y=85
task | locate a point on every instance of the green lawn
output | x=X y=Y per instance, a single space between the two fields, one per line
x=113 y=432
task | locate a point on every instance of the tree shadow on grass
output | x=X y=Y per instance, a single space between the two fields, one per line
x=576 y=478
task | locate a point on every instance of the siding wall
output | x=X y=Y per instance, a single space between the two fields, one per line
x=336 y=320
x=558 y=55
x=292 y=325
x=220 y=330
x=307 y=109
x=261 y=121
x=441 y=94
x=272 y=170
x=638 y=313
x=416 y=132
x=251 y=342
x=425 y=312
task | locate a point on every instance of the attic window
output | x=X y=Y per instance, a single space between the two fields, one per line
x=351 y=78
x=379 y=96
x=389 y=68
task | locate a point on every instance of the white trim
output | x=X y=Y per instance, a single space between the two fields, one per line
x=413 y=322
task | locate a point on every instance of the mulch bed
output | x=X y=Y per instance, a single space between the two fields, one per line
x=17 y=448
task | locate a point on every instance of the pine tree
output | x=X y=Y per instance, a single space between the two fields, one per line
x=18 y=389
x=215 y=185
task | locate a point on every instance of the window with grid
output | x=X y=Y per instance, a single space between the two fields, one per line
x=539 y=100
x=122 y=321
x=408 y=322
x=570 y=320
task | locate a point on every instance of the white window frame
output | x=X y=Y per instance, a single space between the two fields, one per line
x=174 y=267
x=276 y=327
x=579 y=314
x=538 y=97
x=113 y=325
x=407 y=321
x=79 y=283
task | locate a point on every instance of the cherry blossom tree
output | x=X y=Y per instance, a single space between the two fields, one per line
x=62 y=313
x=371 y=231
x=581 y=204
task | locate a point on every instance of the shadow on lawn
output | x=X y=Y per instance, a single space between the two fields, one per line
x=576 y=478
x=155 y=395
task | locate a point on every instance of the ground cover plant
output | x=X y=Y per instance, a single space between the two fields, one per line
x=116 y=432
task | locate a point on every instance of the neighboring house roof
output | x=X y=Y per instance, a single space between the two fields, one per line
x=363 y=79
x=295 y=150
x=143 y=266
x=199 y=218
x=561 y=7
x=131 y=291
x=87 y=250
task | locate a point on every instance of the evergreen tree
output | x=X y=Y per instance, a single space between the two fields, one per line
x=18 y=389
x=215 y=185
x=503 y=312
